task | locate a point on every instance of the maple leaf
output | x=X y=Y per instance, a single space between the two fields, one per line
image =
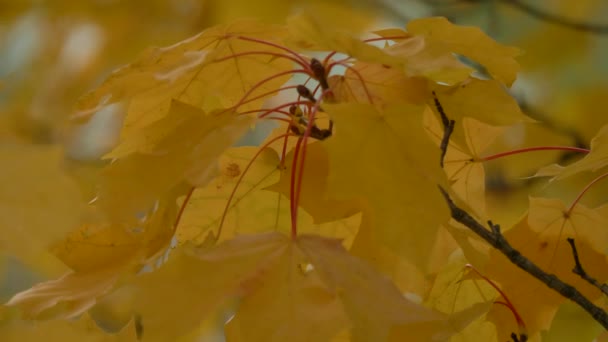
x=216 y=63
x=314 y=187
x=305 y=32
x=462 y=165
x=317 y=269
x=471 y=99
x=99 y=255
x=257 y=202
x=596 y=159
x=470 y=42
x=76 y=291
x=187 y=152
x=106 y=244
x=541 y=237
x=370 y=157
x=378 y=84
x=425 y=59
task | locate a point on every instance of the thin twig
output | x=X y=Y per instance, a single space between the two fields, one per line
x=578 y=270
x=495 y=238
x=448 y=129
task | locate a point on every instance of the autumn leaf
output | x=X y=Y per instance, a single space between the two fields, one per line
x=462 y=165
x=339 y=286
x=105 y=244
x=99 y=254
x=378 y=84
x=595 y=160
x=550 y=217
x=471 y=42
x=188 y=153
x=83 y=329
x=370 y=151
x=470 y=99
x=544 y=243
x=314 y=187
x=261 y=201
x=217 y=62
x=306 y=32
x=76 y=292
x=423 y=59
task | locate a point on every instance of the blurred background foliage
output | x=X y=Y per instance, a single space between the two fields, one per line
x=52 y=52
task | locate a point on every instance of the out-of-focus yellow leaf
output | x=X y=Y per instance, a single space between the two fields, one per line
x=306 y=32
x=188 y=153
x=214 y=276
x=440 y=330
x=212 y=70
x=77 y=292
x=40 y=203
x=371 y=157
x=99 y=255
x=572 y=323
x=595 y=160
x=102 y=245
x=471 y=42
x=84 y=329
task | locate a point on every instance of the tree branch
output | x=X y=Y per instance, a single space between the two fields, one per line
x=495 y=238
x=578 y=270
x=557 y=19
x=448 y=129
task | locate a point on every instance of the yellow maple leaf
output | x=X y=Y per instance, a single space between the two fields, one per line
x=484 y=100
x=596 y=159
x=424 y=58
x=212 y=70
x=314 y=187
x=548 y=249
x=371 y=157
x=188 y=153
x=306 y=32
x=106 y=244
x=379 y=84
x=462 y=165
x=471 y=42
x=252 y=202
x=550 y=217
x=76 y=292
x=309 y=276
x=99 y=254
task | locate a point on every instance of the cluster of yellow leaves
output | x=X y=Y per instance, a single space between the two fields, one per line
x=318 y=263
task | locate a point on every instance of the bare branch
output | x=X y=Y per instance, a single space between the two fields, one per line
x=578 y=270
x=448 y=128
x=495 y=238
